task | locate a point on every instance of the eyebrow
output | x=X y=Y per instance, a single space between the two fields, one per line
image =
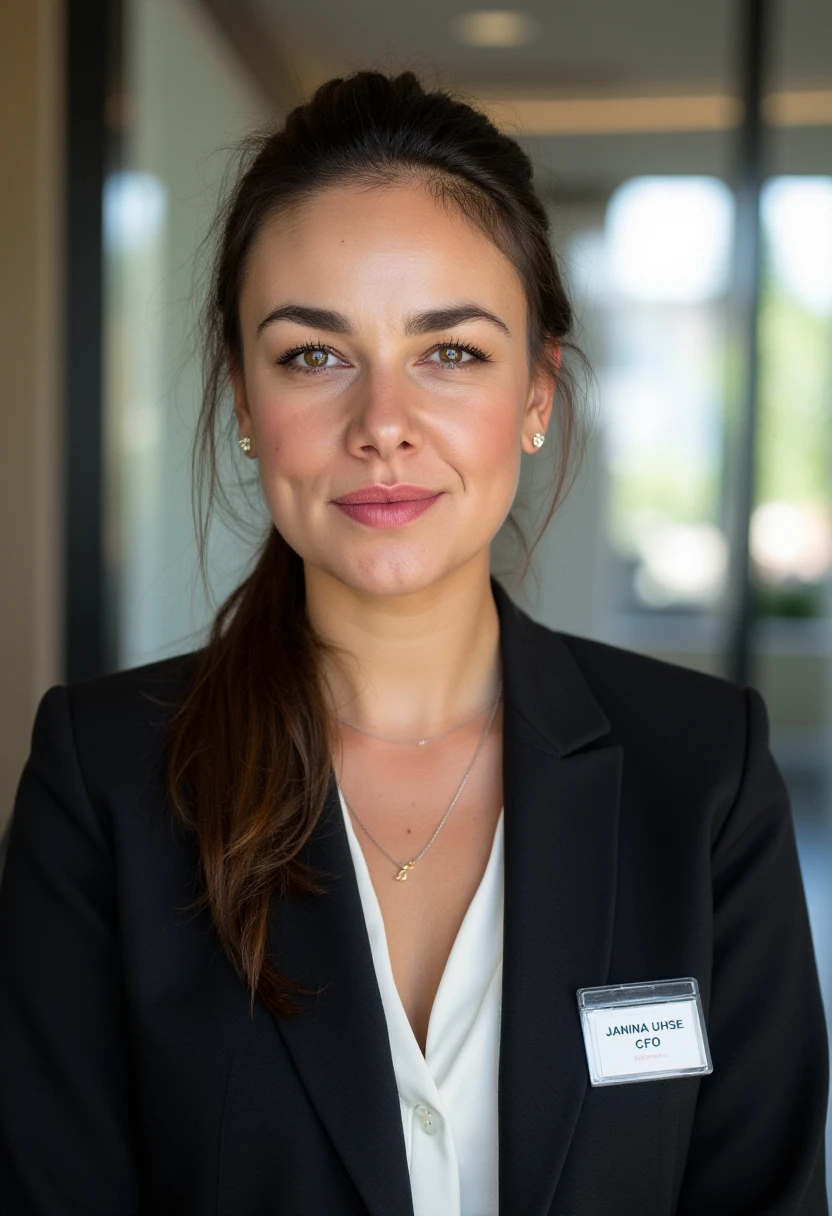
x=418 y=323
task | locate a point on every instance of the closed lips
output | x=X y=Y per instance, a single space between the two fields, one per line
x=387 y=506
x=382 y=494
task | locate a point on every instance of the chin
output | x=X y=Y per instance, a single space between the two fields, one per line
x=389 y=574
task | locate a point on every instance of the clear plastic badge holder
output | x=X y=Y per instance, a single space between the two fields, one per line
x=644 y=1032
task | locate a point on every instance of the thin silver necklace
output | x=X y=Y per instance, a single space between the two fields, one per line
x=416 y=742
x=403 y=867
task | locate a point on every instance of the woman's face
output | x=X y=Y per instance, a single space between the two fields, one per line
x=384 y=355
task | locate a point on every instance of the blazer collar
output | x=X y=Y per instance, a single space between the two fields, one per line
x=561 y=808
x=543 y=684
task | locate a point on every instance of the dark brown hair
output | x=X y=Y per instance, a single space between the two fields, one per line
x=250 y=759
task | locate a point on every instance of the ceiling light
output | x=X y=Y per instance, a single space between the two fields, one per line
x=806 y=108
x=541 y=115
x=494 y=27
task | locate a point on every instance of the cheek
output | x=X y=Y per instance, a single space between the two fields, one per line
x=488 y=443
x=291 y=443
x=497 y=441
x=294 y=461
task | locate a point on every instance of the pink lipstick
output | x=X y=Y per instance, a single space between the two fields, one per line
x=386 y=506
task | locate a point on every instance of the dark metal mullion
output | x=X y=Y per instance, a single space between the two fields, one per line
x=89 y=27
x=750 y=167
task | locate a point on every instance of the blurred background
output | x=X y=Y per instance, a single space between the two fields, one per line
x=685 y=155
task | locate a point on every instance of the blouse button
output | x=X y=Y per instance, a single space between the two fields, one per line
x=430 y=1119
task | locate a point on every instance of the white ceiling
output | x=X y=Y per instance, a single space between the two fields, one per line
x=583 y=48
x=582 y=45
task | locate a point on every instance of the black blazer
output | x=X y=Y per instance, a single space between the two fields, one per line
x=647 y=836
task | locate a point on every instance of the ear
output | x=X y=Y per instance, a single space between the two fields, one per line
x=540 y=400
x=238 y=388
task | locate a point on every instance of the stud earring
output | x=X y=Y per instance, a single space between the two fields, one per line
x=245 y=443
x=537 y=439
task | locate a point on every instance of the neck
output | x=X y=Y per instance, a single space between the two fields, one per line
x=415 y=664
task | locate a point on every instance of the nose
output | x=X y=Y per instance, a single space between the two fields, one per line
x=384 y=417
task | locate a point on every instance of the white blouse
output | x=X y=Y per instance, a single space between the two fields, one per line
x=448 y=1097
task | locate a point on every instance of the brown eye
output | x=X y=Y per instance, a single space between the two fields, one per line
x=314 y=358
x=450 y=354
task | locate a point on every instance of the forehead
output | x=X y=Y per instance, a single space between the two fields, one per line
x=373 y=246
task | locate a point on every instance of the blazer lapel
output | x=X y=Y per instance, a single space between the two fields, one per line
x=339 y=1042
x=561 y=825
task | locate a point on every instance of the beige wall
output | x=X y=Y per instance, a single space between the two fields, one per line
x=31 y=112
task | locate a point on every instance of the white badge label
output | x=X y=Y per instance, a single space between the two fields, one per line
x=644 y=1032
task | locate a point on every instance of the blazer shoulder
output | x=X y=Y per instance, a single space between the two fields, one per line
x=621 y=663
x=688 y=728
x=132 y=690
x=119 y=722
x=632 y=687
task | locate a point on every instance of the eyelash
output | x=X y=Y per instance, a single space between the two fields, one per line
x=480 y=355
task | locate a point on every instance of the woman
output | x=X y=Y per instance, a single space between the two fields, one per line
x=298 y=923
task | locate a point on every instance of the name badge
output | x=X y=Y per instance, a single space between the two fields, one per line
x=644 y=1032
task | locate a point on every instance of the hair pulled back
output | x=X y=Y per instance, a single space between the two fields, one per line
x=249 y=763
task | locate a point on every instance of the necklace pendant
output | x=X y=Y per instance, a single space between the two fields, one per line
x=422 y=742
x=402 y=874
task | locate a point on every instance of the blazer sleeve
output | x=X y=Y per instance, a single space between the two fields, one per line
x=757 y=1146
x=65 y=1138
